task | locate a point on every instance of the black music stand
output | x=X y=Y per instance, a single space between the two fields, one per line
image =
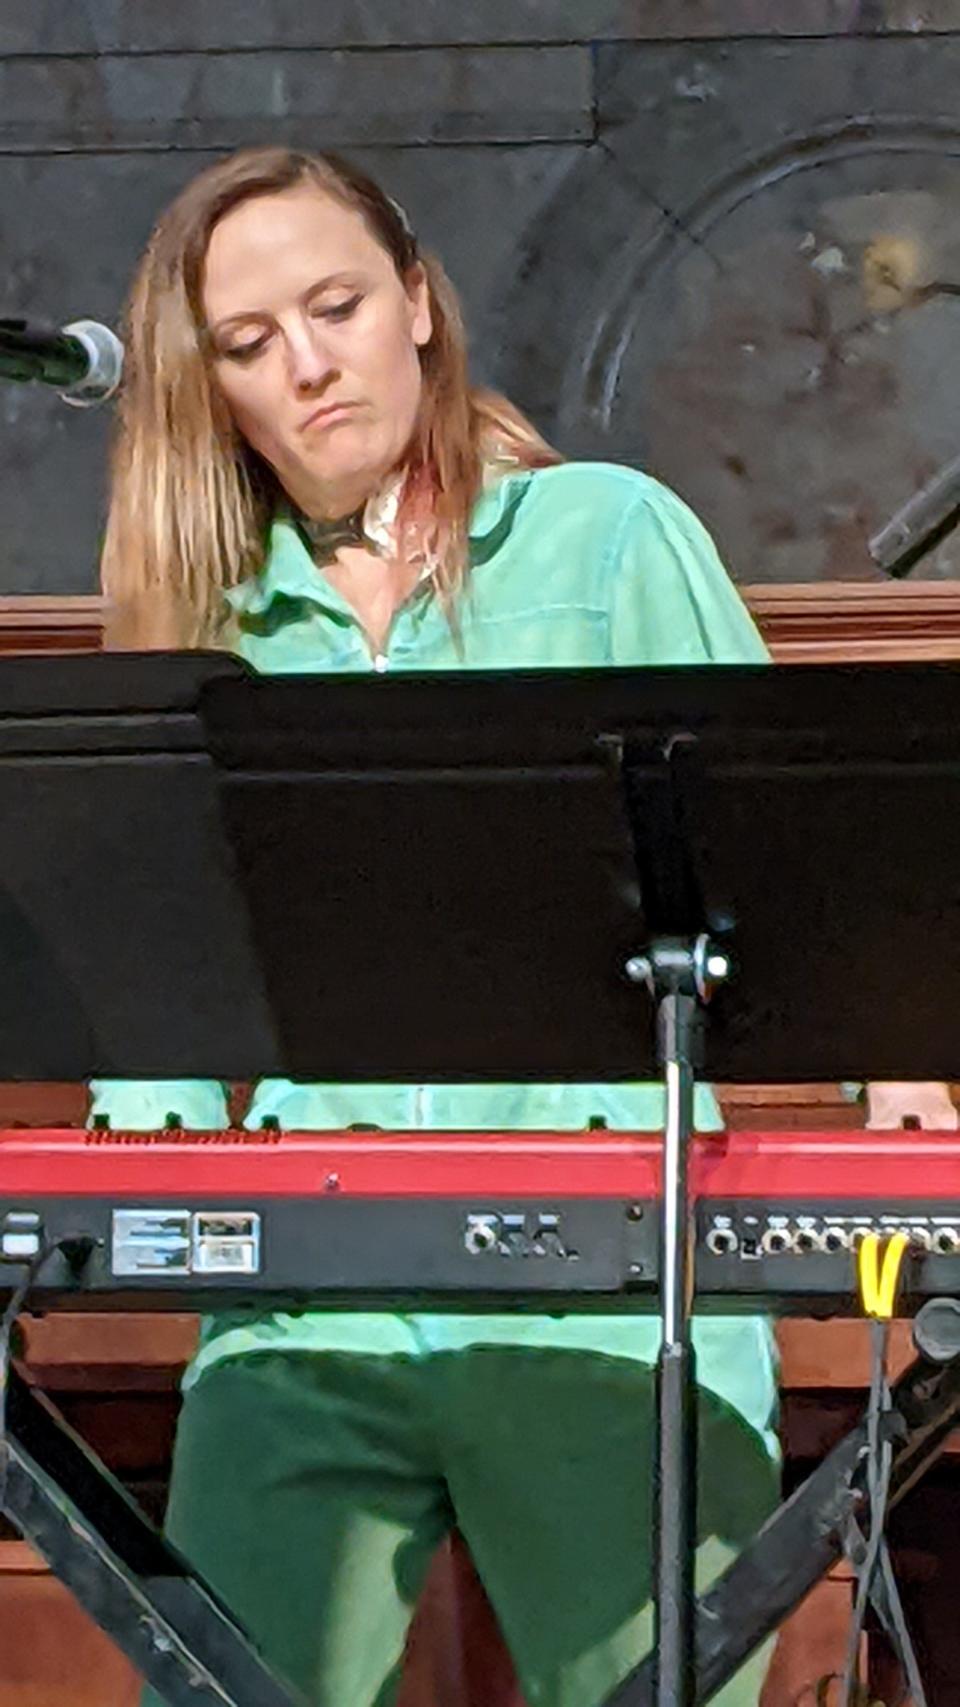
x=537 y=861
x=707 y=761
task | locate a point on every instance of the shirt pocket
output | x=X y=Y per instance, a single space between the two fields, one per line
x=561 y=636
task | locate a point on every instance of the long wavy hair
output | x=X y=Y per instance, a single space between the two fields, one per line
x=190 y=500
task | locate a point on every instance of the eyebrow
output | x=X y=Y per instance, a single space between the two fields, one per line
x=243 y=314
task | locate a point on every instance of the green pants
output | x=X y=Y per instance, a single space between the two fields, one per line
x=311 y=1490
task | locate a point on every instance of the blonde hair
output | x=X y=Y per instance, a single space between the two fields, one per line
x=190 y=500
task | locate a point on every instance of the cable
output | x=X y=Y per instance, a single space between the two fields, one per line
x=77 y=1248
x=900 y=1633
x=878 y=1283
x=879 y=1280
x=879 y=1456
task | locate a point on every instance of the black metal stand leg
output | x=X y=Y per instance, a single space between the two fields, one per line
x=676 y=1439
x=136 y=1588
x=805 y=1536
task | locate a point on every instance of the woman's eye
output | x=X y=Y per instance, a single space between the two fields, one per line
x=340 y=310
x=245 y=352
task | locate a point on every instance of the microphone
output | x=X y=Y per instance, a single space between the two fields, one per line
x=83 y=360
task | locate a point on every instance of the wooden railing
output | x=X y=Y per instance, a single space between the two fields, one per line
x=814 y=622
x=828 y=622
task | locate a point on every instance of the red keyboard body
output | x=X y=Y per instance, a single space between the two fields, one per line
x=466 y=1220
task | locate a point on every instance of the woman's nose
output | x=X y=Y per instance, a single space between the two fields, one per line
x=308 y=359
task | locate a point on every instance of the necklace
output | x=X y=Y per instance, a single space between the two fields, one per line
x=327 y=537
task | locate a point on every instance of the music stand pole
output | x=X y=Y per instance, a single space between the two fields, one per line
x=680 y=977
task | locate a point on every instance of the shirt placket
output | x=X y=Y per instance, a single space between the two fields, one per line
x=401 y=635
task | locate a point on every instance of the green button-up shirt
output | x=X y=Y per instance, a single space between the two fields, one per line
x=576 y=565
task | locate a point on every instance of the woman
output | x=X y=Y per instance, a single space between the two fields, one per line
x=304 y=474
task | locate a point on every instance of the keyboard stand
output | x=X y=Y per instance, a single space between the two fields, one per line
x=137 y=1588
x=805 y=1536
x=172 y=1627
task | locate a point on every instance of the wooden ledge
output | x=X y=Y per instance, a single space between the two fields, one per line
x=48 y=623
x=825 y=622
x=811 y=622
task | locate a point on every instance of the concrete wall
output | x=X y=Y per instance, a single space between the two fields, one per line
x=717 y=238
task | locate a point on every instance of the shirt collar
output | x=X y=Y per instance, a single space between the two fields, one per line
x=290 y=572
x=499 y=497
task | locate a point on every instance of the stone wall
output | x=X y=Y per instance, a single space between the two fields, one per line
x=716 y=238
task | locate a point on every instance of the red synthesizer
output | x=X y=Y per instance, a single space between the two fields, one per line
x=462 y=1219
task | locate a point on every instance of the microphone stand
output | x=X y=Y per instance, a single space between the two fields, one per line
x=920 y=524
x=681 y=967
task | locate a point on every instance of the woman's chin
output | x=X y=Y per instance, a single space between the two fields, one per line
x=347 y=472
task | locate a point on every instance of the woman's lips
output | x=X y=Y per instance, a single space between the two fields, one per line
x=329 y=413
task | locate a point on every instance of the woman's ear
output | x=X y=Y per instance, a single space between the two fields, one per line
x=418 y=292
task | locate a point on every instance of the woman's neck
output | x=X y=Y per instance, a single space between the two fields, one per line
x=320 y=501
x=375 y=586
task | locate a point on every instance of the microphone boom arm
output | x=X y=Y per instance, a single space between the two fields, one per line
x=920 y=523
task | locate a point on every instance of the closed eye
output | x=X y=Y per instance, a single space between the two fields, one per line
x=245 y=352
x=341 y=310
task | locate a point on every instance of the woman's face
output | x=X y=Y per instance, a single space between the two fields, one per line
x=315 y=342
